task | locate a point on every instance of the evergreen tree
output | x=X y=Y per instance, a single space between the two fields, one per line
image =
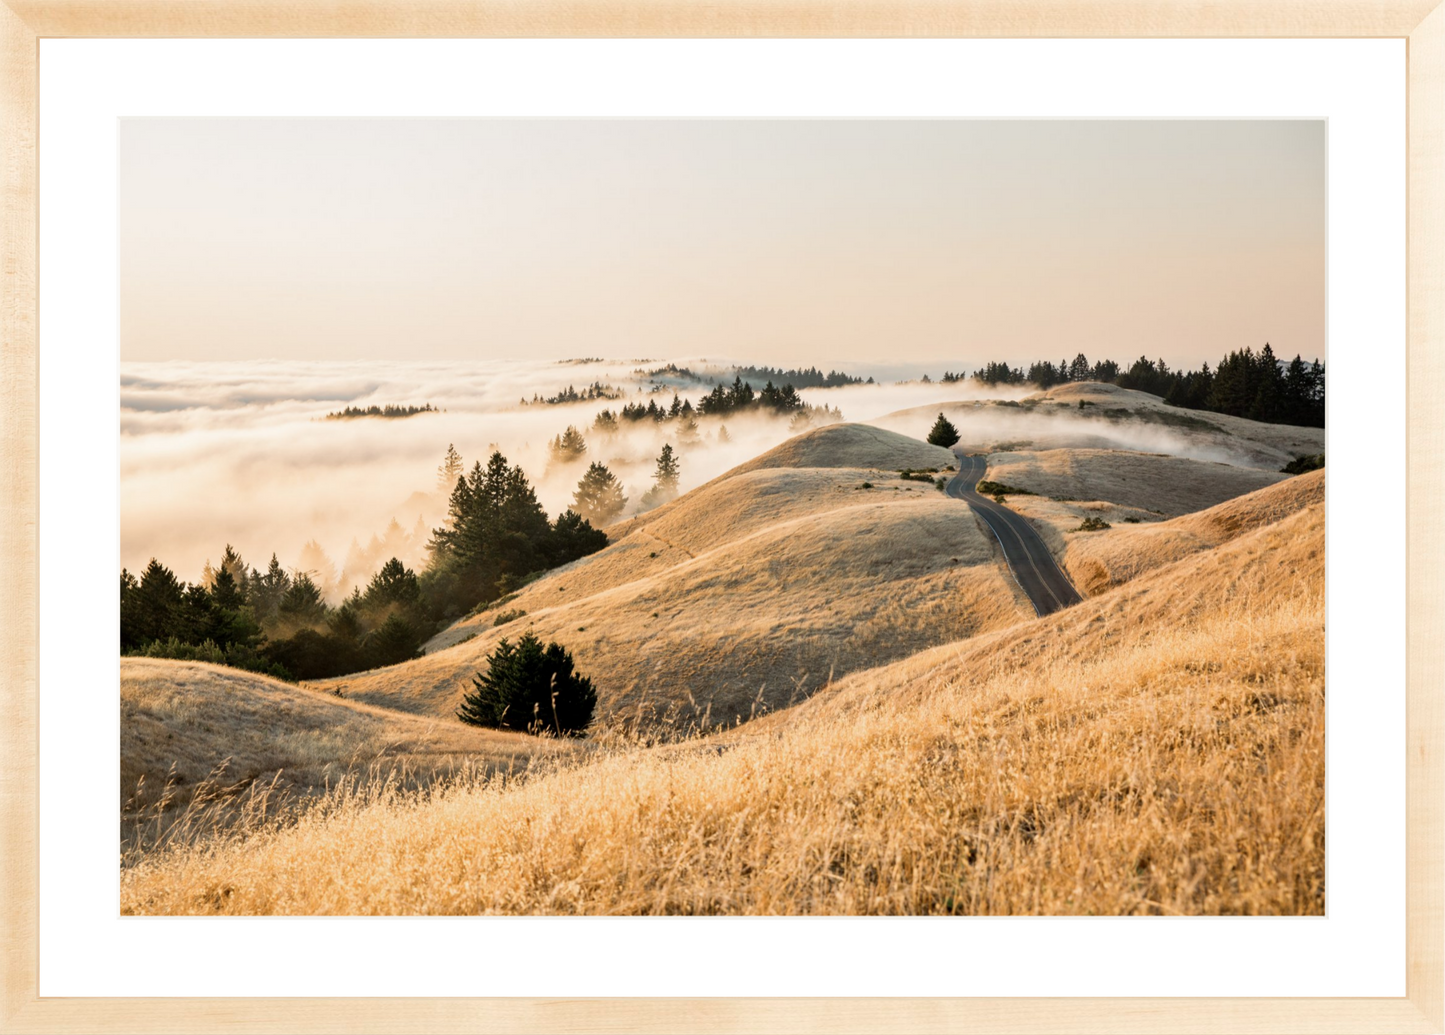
x=268 y=589
x=393 y=584
x=132 y=634
x=397 y=640
x=531 y=688
x=722 y=435
x=599 y=498
x=606 y=423
x=574 y=537
x=943 y=433
x=1079 y=369
x=158 y=602
x=301 y=603
x=450 y=470
x=664 y=486
x=568 y=447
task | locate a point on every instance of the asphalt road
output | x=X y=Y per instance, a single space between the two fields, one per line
x=1035 y=569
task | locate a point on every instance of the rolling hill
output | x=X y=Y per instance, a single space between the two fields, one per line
x=1102 y=760
x=179 y=720
x=1091 y=415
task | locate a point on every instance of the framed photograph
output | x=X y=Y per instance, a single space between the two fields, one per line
x=659 y=517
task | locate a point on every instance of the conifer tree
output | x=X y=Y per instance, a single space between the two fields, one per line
x=531 y=688
x=568 y=447
x=599 y=496
x=450 y=470
x=664 y=486
x=943 y=433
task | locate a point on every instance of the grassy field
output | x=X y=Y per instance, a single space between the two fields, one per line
x=1157 y=749
x=821 y=692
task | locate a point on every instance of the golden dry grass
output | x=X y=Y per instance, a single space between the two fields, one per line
x=1163 y=485
x=756 y=623
x=850 y=445
x=1157 y=749
x=180 y=720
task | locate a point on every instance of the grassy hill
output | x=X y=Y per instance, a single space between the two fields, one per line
x=1155 y=484
x=1095 y=561
x=180 y=720
x=1112 y=418
x=804 y=577
x=1158 y=749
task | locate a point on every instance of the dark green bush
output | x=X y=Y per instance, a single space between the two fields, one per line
x=1093 y=524
x=989 y=488
x=530 y=688
x=1304 y=464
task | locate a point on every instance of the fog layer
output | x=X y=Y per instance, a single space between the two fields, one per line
x=242 y=453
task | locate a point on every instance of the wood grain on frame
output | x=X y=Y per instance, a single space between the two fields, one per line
x=23 y=22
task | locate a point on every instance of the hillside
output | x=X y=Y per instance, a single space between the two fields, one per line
x=1167 y=485
x=756 y=620
x=852 y=445
x=1112 y=418
x=179 y=720
x=1097 y=561
x=1103 y=760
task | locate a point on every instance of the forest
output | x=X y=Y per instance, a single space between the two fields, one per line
x=1250 y=384
x=496 y=538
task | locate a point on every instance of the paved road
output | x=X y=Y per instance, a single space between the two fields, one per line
x=1037 y=572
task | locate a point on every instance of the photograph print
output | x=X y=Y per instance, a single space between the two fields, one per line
x=716 y=517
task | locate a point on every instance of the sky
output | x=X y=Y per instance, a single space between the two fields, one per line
x=788 y=242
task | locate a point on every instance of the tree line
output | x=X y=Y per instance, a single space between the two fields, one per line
x=1246 y=383
x=353 y=412
x=496 y=537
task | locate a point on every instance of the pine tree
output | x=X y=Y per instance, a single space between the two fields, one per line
x=302 y=601
x=158 y=602
x=605 y=423
x=943 y=433
x=722 y=435
x=599 y=496
x=450 y=470
x=1079 y=369
x=568 y=447
x=394 y=583
x=531 y=688
x=664 y=486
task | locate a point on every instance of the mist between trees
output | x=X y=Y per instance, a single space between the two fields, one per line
x=496 y=537
x=1254 y=385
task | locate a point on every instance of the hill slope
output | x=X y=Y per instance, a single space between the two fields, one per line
x=1112 y=418
x=755 y=623
x=1103 y=760
x=179 y=720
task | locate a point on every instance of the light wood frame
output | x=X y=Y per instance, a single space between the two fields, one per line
x=1420 y=22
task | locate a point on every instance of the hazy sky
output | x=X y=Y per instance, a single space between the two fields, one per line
x=829 y=242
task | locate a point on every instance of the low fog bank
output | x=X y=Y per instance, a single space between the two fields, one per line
x=988 y=428
x=242 y=453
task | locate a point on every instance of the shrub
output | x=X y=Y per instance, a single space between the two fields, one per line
x=1093 y=524
x=940 y=483
x=989 y=488
x=1304 y=464
x=508 y=616
x=531 y=688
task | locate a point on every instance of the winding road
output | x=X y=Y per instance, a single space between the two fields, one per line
x=1034 y=568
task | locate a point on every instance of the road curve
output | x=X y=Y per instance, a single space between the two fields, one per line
x=1035 y=569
